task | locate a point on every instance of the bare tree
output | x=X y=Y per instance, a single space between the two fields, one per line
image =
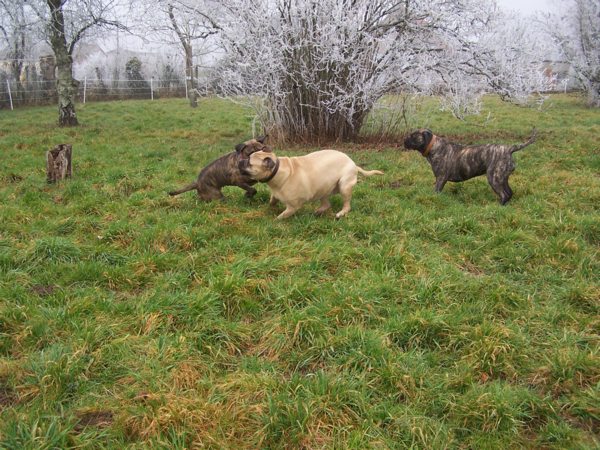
x=315 y=69
x=577 y=33
x=66 y=22
x=16 y=20
x=184 y=23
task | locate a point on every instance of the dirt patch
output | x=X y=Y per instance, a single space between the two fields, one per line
x=100 y=419
x=8 y=397
x=469 y=267
x=43 y=290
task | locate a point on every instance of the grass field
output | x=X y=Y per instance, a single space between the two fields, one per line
x=129 y=319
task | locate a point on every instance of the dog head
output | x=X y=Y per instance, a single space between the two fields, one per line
x=259 y=166
x=419 y=140
x=245 y=149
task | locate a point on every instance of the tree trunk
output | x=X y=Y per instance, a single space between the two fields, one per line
x=18 y=55
x=594 y=94
x=17 y=69
x=302 y=118
x=66 y=85
x=58 y=163
x=189 y=75
x=305 y=109
x=189 y=57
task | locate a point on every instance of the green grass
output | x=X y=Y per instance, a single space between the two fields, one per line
x=129 y=319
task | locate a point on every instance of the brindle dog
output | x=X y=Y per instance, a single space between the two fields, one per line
x=225 y=172
x=455 y=162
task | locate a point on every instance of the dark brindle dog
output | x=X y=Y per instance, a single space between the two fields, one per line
x=455 y=162
x=225 y=172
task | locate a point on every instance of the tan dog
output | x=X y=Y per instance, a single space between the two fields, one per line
x=316 y=176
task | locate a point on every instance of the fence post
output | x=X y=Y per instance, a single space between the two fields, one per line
x=152 y=88
x=9 y=95
x=84 y=88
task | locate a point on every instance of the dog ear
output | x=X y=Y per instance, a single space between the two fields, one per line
x=262 y=139
x=427 y=135
x=268 y=163
x=240 y=148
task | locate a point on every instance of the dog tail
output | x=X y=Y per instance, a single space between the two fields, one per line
x=189 y=187
x=531 y=140
x=368 y=173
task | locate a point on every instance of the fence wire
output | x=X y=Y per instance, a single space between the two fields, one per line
x=14 y=94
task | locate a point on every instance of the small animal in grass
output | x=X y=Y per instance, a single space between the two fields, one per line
x=224 y=171
x=316 y=176
x=456 y=162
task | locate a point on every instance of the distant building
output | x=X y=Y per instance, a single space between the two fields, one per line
x=562 y=73
x=111 y=61
x=46 y=67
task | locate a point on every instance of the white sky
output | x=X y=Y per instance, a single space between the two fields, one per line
x=527 y=6
x=524 y=7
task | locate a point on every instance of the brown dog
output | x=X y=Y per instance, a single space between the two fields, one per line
x=316 y=176
x=455 y=162
x=224 y=171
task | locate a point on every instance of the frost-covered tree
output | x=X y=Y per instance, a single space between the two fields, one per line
x=577 y=33
x=185 y=24
x=505 y=57
x=16 y=23
x=314 y=69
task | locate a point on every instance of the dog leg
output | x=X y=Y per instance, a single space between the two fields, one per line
x=498 y=180
x=210 y=194
x=289 y=210
x=498 y=187
x=325 y=205
x=346 y=193
x=507 y=193
x=509 y=190
x=273 y=200
x=439 y=184
x=250 y=191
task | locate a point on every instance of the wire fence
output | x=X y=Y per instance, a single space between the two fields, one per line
x=14 y=94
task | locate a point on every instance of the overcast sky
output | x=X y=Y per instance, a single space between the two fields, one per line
x=527 y=6
x=522 y=6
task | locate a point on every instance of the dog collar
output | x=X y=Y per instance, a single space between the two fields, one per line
x=428 y=149
x=275 y=170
